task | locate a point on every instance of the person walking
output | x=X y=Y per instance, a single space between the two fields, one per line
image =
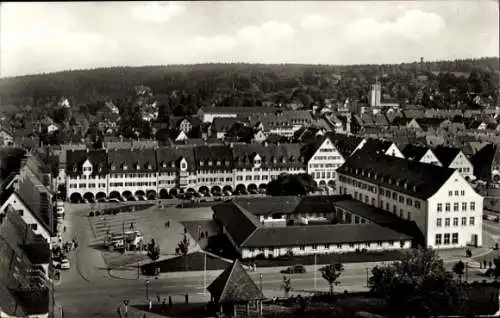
x=150 y=305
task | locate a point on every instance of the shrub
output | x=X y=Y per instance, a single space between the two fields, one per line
x=91 y=213
x=260 y=256
x=97 y=213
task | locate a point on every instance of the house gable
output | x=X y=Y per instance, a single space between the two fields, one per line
x=460 y=161
x=394 y=151
x=430 y=157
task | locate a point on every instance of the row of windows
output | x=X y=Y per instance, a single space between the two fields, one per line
x=139 y=184
x=456 y=205
x=83 y=177
x=215 y=179
x=324 y=165
x=339 y=246
x=465 y=170
x=394 y=209
x=327 y=158
x=362 y=185
x=327 y=150
x=84 y=185
x=323 y=175
x=455 y=221
x=462 y=193
x=166 y=182
x=132 y=175
x=444 y=239
x=256 y=177
x=401 y=199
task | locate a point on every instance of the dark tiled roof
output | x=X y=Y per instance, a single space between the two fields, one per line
x=223 y=124
x=484 y=159
x=381 y=217
x=376 y=145
x=135 y=160
x=169 y=158
x=345 y=144
x=282 y=155
x=289 y=236
x=237 y=110
x=76 y=158
x=318 y=204
x=238 y=221
x=234 y=285
x=269 y=205
x=414 y=152
x=413 y=113
x=410 y=177
x=446 y=155
x=426 y=123
x=400 y=121
x=213 y=157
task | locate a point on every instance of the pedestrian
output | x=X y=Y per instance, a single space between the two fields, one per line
x=484 y=264
x=64 y=229
x=163 y=307
x=158 y=297
x=76 y=245
x=118 y=310
x=206 y=234
x=131 y=225
x=490 y=264
x=169 y=301
x=150 y=305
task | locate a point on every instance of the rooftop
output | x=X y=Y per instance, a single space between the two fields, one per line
x=446 y=155
x=405 y=176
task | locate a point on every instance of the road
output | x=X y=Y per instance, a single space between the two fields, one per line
x=86 y=290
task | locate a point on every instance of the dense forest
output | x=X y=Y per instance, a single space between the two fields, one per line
x=185 y=88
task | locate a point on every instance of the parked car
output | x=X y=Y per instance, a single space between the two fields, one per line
x=65 y=264
x=295 y=269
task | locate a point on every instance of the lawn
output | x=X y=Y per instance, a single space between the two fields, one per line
x=195 y=262
x=351 y=257
x=193 y=310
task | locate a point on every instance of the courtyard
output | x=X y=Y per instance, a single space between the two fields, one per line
x=152 y=223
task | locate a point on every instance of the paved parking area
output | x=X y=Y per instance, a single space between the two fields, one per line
x=152 y=224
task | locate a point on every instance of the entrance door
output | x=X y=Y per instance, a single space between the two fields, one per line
x=474 y=240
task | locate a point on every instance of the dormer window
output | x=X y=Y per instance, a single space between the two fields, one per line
x=150 y=166
x=210 y=163
x=274 y=160
x=113 y=167
x=201 y=163
x=164 y=164
x=172 y=164
x=125 y=167
x=283 y=160
x=226 y=163
x=137 y=166
x=218 y=163
x=75 y=169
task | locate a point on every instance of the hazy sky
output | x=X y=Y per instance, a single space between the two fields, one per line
x=46 y=37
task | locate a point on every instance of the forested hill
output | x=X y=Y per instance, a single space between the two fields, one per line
x=245 y=84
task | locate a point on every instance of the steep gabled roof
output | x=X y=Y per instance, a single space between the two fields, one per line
x=414 y=152
x=234 y=285
x=446 y=155
x=76 y=158
x=238 y=221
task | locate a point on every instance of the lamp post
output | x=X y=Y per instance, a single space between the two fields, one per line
x=147 y=289
x=260 y=281
x=367 y=281
x=315 y=273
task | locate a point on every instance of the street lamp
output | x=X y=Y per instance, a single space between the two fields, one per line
x=260 y=280
x=147 y=289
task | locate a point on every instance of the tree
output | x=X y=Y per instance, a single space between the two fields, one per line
x=496 y=269
x=459 y=269
x=153 y=250
x=297 y=184
x=183 y=248
x=331 y=273
x=286 y=285
x=417 y=285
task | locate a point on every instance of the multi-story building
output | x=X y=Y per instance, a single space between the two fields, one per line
x=441 y=202
x=94 y=174
x=209 y=113
x=420 y=154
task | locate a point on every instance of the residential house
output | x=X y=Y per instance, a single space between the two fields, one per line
x=6 y=137
x=220 y=126
x=386 y=147
x=441 y=202
x=455 y=158
x=184 y=124
x=323 y=158
x=420 y=154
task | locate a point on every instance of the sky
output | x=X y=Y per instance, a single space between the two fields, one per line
x=42 y=37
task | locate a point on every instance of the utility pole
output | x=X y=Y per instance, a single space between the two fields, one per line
x=367 y=281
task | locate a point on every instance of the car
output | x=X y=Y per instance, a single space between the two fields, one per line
x=65 y=264
x=295 y=269
x=114 y=200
